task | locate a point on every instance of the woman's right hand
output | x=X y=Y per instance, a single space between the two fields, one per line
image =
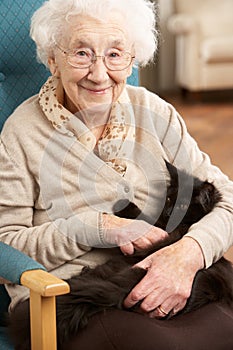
x=130 y=234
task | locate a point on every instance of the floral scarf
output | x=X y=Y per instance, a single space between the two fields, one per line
x=117 y=141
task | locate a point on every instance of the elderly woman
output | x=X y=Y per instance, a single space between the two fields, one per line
x=85 y=141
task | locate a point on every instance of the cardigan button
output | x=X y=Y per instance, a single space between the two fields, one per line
x=126 y=189
x=2 y=77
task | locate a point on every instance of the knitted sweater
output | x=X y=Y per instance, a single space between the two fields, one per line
x=55 y=184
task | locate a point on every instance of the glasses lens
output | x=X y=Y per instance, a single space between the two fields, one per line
x=118 y=61
x=80 y=58
x=113 y=61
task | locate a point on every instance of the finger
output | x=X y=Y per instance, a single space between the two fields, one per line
x=158 y=234
x=167 y=309
x=133 y=298
x=153 y=300
x=127 y=249
x=179 y=307
x=145 y=263
x=142 y=243
x=153 y=236
x=138 y=293
x=159 y=312
x=163 y=300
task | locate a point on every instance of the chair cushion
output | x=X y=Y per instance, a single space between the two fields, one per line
x=217 y=49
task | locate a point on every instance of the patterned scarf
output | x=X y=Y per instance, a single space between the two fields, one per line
x=117 y=141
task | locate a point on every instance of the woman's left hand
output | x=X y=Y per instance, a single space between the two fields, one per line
x=168 y=282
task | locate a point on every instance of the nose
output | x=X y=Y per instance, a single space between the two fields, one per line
x=98 y=72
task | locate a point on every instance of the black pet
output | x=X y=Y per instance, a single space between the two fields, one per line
x=107 y=285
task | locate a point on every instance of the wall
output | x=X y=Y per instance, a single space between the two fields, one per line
x=160 y=76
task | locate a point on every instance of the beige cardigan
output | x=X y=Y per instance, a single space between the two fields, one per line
x=54 y=188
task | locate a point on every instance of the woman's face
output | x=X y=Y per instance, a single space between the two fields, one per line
x=88 y=88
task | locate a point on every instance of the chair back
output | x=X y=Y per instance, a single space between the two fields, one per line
x=215 y=18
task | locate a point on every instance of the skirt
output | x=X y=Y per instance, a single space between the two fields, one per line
x=210 y=327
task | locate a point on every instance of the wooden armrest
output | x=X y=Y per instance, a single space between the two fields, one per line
x=44 y=287
x=44 y=283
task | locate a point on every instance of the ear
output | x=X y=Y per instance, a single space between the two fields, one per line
x=53 y=67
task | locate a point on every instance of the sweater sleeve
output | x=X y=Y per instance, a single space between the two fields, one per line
x=214 y=232
x=52 y=242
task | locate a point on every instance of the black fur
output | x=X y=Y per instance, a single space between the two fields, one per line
x=107 y=285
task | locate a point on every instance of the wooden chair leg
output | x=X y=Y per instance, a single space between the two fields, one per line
x=43 y=334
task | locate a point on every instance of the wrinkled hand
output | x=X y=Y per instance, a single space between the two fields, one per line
x=130 y=234
x=168 y=282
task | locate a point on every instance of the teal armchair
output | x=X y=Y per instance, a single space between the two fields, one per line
x=18 y=268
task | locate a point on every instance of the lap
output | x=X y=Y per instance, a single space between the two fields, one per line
x=207 y=328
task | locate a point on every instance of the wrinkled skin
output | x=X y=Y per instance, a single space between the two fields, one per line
x=171 y=270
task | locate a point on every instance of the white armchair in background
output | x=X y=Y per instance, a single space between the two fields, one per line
x=204 y=44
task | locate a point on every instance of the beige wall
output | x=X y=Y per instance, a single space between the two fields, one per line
x=160 y=76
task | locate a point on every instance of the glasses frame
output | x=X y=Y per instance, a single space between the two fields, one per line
x=68 y=53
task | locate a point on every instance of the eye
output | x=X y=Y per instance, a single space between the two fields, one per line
x=114 y=53
x=82 y=53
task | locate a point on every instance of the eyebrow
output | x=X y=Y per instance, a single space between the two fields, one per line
x=83 y=43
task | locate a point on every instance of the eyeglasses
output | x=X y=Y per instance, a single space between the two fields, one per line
x=114 y=60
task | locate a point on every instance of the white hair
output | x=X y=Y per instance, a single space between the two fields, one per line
x=49 y=22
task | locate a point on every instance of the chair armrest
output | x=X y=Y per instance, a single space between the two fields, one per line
x=181 y=24
x=44 y=287
x=43 y=283
x=19 y=268
x=13 y=263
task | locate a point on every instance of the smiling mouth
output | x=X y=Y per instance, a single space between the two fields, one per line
x=97 y=91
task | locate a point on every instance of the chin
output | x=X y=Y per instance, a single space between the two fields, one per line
x=99 y=107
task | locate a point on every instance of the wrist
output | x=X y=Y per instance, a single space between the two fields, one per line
x=195 y=251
